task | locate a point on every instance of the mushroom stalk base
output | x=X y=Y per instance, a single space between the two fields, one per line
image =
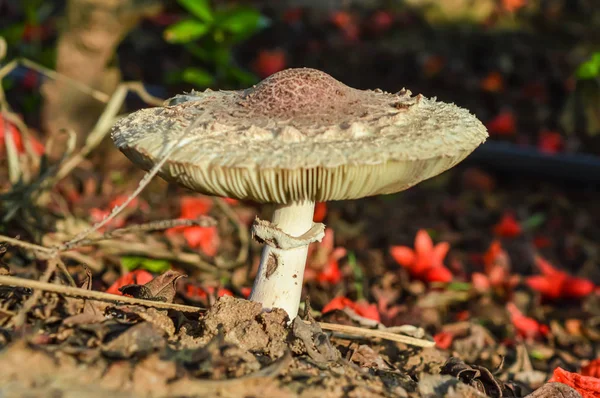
x=281 y=271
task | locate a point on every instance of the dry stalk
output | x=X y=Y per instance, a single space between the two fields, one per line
x=75 y=292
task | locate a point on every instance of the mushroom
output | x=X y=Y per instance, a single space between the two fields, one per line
x=298 y=137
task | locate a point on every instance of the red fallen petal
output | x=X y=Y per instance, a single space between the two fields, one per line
x=497 y=275
x=591 y=369
x=463 y=316
x=341 y=19
x=513 y=5
x=367 y=310
x=439 y=252
x=362 y=308
x=546 y=286
x=508 y=226
x=577 y=287
x=525 y=326
x=195 y=206
x=550 y=142
x=503 y=124
x=423 y=243
x=320 y=212
x=381 y=21
x=587 y=386
x=547 y=268
x=438 y=274
x=331 y=273
x=139 y=277
x=493 y=82
x=269 y=62
x=443 y=340
x=490 y=256
x=337 y=303
x=231 y=201
x=206 y=238
x=403 y=255
x=480 y=282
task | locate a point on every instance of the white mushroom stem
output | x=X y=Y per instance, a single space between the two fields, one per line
x=281 y=271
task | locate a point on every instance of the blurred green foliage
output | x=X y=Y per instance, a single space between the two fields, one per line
x=131 y=263
x=25 y=38
x=590 y=69
x=209 y=34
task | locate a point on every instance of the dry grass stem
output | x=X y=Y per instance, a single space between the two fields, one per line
x=378 y=334
x=76 y=292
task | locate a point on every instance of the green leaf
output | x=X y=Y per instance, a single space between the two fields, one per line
x=459 y=286
x=186 y=31
x=534 y=221
x=239 y=20
x=590 y=69
x=153 y=265
x=198 y=77
x=199 y=8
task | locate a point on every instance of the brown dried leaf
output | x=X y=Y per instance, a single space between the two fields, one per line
x=140 y=339
x=161 y=288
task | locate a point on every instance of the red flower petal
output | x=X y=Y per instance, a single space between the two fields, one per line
x=337 y=303
x=503 y=124
x=550 y=142
x=577 y=287
x=525 y=326
x=195 y=206
x=206 y=238
x=331 y=273
x=587 y=386
x=439 y=252
x=363 y=309
x=139 y=277
x=269 y=62
x=480 y=282
x=423 y=243
x=320 y=212
x=443 y=340
x=592 y=369
x=490 y=256
x=403 y=255
x=508 y=226
x=546 y=286
x=438 y=274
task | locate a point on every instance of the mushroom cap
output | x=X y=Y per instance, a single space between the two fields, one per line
x=300 y=135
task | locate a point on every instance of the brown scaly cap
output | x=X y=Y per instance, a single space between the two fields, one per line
x=301 y=134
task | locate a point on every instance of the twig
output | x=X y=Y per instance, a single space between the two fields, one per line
x=94 y=295
x=26 y=245
x=371 y=333
x=118 y=247
x=169 y=150
x=202 y=221
x=20 y=318
x=84 y=88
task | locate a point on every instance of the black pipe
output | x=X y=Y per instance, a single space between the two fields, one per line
x=508 y=157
